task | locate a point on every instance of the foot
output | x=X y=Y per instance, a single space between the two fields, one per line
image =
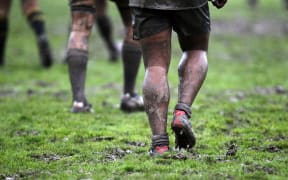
x=131 y=103
x=45 y=52
x=159 y=151
x=115 y=51
x=114 y=55
x=81 y=107
x=184 y=135
x=160 y=145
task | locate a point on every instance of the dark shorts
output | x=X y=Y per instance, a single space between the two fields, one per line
x=122 y=3
x=91 y=3
x=186 y=23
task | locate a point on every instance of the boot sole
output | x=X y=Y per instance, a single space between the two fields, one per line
x=184 y=137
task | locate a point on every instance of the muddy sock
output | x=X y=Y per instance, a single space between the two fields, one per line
x=105 y=28
x=3 y=38
x=184 y=107
x=77 y=64
x=131 y=55
x=36 y=22
x=160 y=140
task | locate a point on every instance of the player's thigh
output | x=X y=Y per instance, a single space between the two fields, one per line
x=148 y=22
x=193 y=28
x=30 y=6
x=5 y=8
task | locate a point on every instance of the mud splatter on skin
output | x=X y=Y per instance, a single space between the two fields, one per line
x=156 y=99
x=156 y=93
x=157 y=55
x=192 y=72
x=81 y=30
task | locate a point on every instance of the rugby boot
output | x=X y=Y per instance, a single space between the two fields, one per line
x=113 y=53
x=160 y=145
x=131 y=103
x=81 y=107
x=181 y=126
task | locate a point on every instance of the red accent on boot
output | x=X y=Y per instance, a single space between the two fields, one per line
x=161 y=149
x=177 y=116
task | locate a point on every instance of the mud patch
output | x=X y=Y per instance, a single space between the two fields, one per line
x=251 y=168
x=211 y=158
x=279 y=137
x=180 y=156
x=30 y=92
x=26 y=132
x=45 y=157
x=232 y=150
x=43 y=84
x=271 y=148
x=115 y=154
x=20 y=175
x=236 y=96
x=7 y=92
x=135 y=143
x=101 y=138
x=61 y=95
x=113 y=86
x=109 y=105
x=81 y=139
x=271 y=90
x=235 y=119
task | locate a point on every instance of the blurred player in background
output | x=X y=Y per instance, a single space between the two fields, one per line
x=83 y=13
x=105 y=28
x=253 y=3
x=34 y=16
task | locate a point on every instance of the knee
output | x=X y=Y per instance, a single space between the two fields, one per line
x=82 y=23
x=30 y=7
x=4 y=13
x=195 y=58
x=82 y=17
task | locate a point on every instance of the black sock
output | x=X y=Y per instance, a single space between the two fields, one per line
x=77 y=64
x=3 y=38
x=184 y=107
x=131 y=55
x=105 y=29
x=36 y=22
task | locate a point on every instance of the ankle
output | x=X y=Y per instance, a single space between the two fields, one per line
x=182 y=107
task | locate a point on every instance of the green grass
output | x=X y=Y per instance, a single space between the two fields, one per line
x=240 y=115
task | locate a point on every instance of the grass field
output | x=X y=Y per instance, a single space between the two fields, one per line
x=240 y=116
